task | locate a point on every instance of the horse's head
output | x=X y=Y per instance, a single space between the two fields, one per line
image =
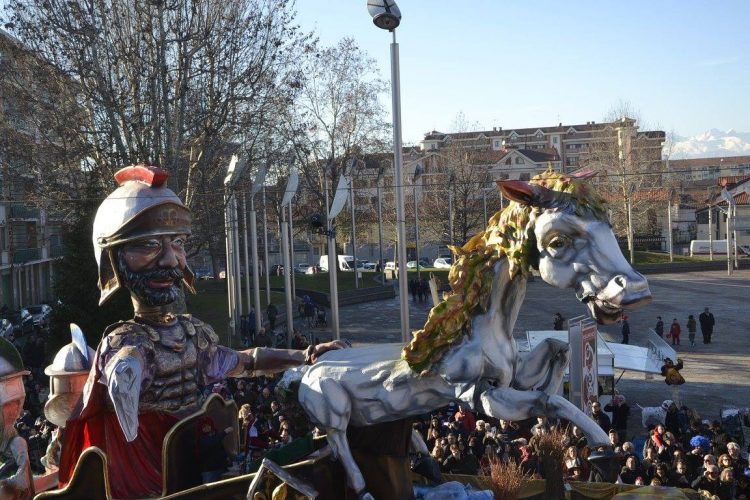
x=573 y=246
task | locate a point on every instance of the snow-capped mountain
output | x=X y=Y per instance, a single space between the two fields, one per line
x=714 y=142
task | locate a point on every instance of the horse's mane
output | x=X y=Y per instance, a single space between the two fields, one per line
x=470 y=277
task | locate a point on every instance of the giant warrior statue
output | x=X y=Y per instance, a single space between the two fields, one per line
x=147 y=372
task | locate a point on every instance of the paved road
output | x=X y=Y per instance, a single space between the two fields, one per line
x=717 y=374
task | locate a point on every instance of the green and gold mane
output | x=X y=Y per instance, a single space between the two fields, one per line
x=471 y=276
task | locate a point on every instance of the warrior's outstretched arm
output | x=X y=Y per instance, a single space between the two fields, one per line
x=268 y=360
x=123 y=374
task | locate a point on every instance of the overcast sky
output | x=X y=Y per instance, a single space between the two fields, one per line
x=683 y=64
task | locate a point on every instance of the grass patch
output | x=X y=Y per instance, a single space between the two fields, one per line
x=662 y=258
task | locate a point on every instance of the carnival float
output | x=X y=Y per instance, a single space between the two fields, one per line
x=130 y=409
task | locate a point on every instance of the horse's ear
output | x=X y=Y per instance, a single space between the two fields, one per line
x=584 y=174
x=519 y=191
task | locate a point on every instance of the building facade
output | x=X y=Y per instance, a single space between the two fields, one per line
x=29 y=235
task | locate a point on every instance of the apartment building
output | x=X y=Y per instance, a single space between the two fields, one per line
x=698 y=169
x=571 y=142
x=29 y=236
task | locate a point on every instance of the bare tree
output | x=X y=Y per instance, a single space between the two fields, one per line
x=180 y=85
x=628 y=161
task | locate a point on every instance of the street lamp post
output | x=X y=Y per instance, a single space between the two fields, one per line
x=380 y=226
x=669 y=225
x=417 y=175
x=631 y=245
x=265 y=249
x=710 y=233
x=387 y=16
x=451 y=180
x=234 y=289
x=352 y=166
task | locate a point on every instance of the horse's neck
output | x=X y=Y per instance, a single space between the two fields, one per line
x=505 y=302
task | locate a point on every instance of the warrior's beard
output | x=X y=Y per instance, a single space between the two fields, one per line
x=137 y=283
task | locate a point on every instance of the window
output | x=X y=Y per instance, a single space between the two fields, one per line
x=497 y=144
x=519 y=161
x=571 y=161
x=524 y=176
x=554 y=140
x=507 y=162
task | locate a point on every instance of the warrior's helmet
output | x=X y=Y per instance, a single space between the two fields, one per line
x=140 y=207
x=12 y=391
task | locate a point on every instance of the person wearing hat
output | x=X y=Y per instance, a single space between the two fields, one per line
x=147 y=372
x=15 y=472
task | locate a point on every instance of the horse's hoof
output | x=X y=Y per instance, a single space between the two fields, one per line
x=364 y=495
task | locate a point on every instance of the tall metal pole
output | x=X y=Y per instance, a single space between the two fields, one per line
x=734 y=234
x=450 y=215
x=710 y=234
x=398 y=179
x=247 y=259
x=630 y=232
x=291 y=251
x=416 y=233
x=287 y=279
x=669 y=229
x=729 y=253
x=265 y=249
x=380 y=232
x=354 y=231
x=228 y=264
x=237 y=279
x=332 y=268
x=256 y=267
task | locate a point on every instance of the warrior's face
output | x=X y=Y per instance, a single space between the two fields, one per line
x=152 y=268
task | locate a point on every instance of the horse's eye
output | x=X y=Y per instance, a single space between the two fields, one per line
x=559 y=242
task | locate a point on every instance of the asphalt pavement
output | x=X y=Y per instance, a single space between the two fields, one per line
x=717 y=375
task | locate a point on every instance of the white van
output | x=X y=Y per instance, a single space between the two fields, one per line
x=346 y=263
x=702 y=247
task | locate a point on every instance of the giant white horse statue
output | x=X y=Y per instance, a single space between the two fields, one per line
x=466 y=350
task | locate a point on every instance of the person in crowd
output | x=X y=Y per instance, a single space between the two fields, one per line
x=674 y=332
x=577 y=438
x=469 y=461
x=738 y=463
x=212 y=458
x=272 y=312
x=631 y=470
x=659 y=328
x=571 y=459
x=452 y=463
x=262 y=339
x=650 y=459
x=506 y=432
x=600 y=417
x=706 y=320
x=672 y=419
x=437 y=453
x=719 y=439
x=620 y=411
x=625 y=330
x=679 y=477
x=558 y=322
x=708 y=481
x=742 y=487
x=541 y=425
x=692 y=327
x=466 y=418
x=489 y=459
x=665 y=453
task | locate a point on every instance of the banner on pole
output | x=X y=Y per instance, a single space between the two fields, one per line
x=291 y=187
x=339 y=199
x=260 y=179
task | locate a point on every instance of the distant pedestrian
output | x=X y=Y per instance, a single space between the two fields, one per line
x=272 y=312
x=625 y=332
x=558 y=321
x=659 y=328
x=691 y=328
x=674 y=332
x=707 y=322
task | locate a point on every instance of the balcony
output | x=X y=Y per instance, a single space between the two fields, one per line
x=26 y=255
x=23 y=212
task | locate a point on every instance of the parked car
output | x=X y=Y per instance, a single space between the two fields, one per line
x=40 y=314
x=303 y=268
x=365 y=265
x=6 y=328
x=443 y=263
x=22 y=321
x=390 y=266
x=277 y=270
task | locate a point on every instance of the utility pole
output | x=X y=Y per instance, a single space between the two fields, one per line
x=710 y=234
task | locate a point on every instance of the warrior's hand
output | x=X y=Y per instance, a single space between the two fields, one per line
x=315 y=352
x=124 y=374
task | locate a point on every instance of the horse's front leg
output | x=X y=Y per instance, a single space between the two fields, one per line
x=511 y=404
x=543 y=368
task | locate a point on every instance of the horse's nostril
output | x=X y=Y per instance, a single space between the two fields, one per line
x=620 y=280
